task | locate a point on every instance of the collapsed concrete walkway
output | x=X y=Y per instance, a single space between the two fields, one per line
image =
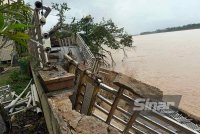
x=72 y=122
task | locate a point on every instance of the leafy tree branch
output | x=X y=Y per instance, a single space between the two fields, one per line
x=14 y=22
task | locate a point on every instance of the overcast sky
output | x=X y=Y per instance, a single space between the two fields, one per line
x=134 y=15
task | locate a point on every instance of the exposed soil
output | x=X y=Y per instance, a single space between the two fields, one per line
x=28 y=123
x=1 y=69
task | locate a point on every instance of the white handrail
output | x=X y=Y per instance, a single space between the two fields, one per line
x=89 y=57
x=84 y=44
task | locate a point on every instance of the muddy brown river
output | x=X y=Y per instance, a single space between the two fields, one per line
x=169 y=61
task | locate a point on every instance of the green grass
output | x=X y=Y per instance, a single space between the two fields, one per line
x=4 y=65
x=5 y=78
x=15 y=79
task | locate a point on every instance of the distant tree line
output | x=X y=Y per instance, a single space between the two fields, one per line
x=171 y=29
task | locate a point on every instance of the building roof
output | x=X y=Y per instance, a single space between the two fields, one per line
x=5 y=53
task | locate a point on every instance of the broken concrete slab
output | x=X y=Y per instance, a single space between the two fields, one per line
x=70 y=121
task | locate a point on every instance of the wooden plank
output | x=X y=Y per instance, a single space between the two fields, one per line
x=57 y=79
x=131 y=121
x=76 y=82
x=87 y=98
x=72 y=69
x=93 y=99
x=55 y=75
x=114 y=105
x=81 y=81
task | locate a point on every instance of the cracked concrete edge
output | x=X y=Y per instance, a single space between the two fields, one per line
x=72 y=122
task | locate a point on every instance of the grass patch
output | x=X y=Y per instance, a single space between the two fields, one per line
x=15 y=79
x=4 y=65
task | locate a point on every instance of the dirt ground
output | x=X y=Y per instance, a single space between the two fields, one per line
x=28 y=123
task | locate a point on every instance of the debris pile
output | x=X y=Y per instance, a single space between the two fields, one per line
x=28 y=123
x=15 y=104
x=70 y=121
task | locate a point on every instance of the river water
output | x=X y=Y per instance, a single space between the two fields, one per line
x=169 y=61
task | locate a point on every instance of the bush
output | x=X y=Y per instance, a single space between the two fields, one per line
x=14 y=76
x=18 y=81
x=24 y=64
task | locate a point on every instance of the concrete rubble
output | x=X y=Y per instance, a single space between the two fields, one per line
x=72 y=122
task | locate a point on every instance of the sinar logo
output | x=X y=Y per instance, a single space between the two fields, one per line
x=142 y=104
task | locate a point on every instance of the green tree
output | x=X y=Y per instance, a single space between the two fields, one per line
x=14 y=23
x=98 y=35
x=61 y=9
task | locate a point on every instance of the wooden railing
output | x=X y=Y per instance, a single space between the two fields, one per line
x=88 y=94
